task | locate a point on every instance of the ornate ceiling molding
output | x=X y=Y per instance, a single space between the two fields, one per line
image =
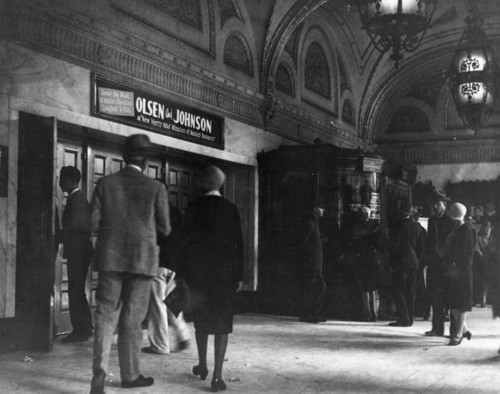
x=188 y=12
x=228 y=9
x=91 y=44
x=97 y=46
x=280 y=31
x=303 y=127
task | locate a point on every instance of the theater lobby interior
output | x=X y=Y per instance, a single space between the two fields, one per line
x=354 y=103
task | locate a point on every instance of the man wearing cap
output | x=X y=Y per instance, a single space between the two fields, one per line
x=311 y=255
x=407 y=243
x=438 y=229
x=129 y=213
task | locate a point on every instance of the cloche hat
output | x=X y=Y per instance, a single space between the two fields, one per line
x=211 y=178
x=457 y=211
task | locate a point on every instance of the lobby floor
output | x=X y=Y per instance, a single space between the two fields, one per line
x=276 y=354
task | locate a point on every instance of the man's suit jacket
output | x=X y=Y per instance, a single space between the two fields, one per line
x=129 y=212
x=75 y=222
x=407 y=244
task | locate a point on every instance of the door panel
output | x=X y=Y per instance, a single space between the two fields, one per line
x=239 y=188
x=180 y=181
x=35 y=232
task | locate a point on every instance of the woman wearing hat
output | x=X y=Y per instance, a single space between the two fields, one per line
x=457 y=269
x=212 y=264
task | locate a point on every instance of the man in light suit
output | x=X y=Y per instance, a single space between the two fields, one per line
x=130 y=213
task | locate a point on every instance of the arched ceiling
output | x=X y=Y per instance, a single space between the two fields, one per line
x=421 y=79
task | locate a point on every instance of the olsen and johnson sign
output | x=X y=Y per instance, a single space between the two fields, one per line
x=122 y=104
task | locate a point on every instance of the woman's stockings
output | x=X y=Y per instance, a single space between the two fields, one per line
x=220 y=346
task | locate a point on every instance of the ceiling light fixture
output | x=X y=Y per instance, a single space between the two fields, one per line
x=472 y=76
x=396 y=24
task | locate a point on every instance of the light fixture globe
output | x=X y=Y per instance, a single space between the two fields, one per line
x=396 y=24
x=473 y=76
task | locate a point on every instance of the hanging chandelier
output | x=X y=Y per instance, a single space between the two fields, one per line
x=472 y=76
x=399 y=25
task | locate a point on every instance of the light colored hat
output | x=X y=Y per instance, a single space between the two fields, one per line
x=457 y=211
x=211 y=178
x=366 y=211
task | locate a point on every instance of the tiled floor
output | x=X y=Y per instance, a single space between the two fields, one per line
x=275 y=354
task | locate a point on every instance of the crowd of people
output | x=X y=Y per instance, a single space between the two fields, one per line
x=455 y=257
x=144 y=248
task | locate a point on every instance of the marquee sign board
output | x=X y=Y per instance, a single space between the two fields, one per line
x=123 y=104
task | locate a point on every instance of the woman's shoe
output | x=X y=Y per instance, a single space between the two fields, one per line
x=200 y=371
x=455 y=341
x=467 y=335
x=218 y=385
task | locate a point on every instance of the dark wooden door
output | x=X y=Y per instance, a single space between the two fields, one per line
x=35 y=232
x=180 y=181
x=239 y=188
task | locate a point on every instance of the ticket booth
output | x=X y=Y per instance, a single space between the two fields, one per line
x=290 y=179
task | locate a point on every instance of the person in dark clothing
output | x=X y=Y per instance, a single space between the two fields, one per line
x=211 y=262
x=407 y=243
x=458 y=294
x=311 y=256
x=438 y=229
x=363 y=241
x=75 y=236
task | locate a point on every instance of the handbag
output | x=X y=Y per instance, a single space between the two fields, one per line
x=178 y=299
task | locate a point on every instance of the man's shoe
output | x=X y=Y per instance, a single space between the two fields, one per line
x=183 y=345
x=71 y=338
x=399 y=324
x=432 y=334
x=149 y=350
x=141 y=381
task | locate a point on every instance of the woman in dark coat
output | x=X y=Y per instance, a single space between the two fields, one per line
x=213 y=268
x=363 y=240
x=459 y=251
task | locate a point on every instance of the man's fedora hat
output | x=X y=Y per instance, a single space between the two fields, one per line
x=439 y=195
x=137 y=144
x=406 y=208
